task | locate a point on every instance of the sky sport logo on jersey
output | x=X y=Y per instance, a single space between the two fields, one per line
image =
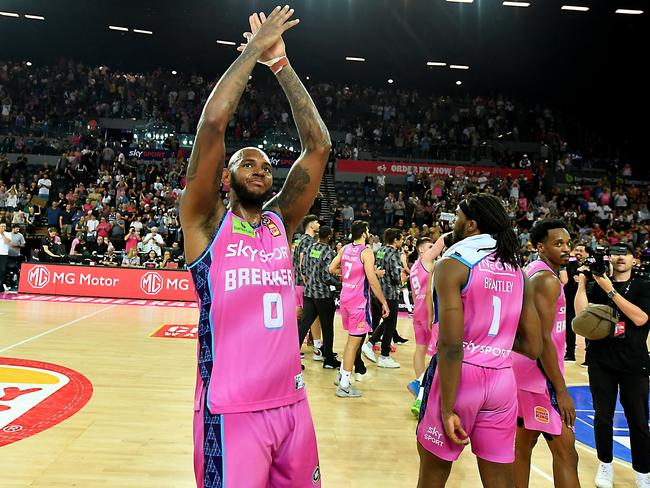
x=35 y=396
x=39 y=277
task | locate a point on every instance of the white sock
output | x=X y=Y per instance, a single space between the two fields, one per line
x=640 y=476
x=421 y=378
x=344 y=382
x=421 y=391
x=318 y=343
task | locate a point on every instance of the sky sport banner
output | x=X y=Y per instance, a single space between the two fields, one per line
x=106 y=282
x=398 y=168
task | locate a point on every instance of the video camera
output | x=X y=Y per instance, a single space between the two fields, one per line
x=598 y=262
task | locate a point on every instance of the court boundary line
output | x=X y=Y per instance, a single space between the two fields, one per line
x=541 y=473
x=54 y=329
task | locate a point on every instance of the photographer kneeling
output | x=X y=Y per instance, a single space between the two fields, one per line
x=619 y=361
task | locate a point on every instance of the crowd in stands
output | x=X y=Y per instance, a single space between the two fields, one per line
x=38 y=102
x=96 y=206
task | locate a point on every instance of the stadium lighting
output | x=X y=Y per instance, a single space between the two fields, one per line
x=390 y=81
x=174 y=72
x=9 y=14
x=141 y=31
x=226 y=43
x=628 y=11
x=575 y=8
x=28 y=63
x=516 y=4
x=435 y=63
x=34 y=17
x=459 y=82
x=458 y=66
x=118 y=28
x=352 y=58
x=461 y=1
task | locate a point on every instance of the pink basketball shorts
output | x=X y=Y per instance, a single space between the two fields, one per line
x=422 y=332
x=433 y=342
x=487 y=406
x=275 y=447
x=356 y=321
x=539 y=412
x=299 y=291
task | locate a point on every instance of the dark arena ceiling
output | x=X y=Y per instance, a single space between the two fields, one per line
x=585 y=63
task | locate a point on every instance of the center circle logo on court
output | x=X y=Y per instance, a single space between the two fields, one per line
x=35 y=396
x=38 y=277
x=151 y=283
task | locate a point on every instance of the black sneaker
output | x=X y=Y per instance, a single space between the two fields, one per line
x=400 y=340
x=361 y=369
x=570 y=358
x=331 y=363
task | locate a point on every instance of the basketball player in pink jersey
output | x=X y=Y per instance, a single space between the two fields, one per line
x=356 y=264
x=485 y=312
x=545 y=405
x=419 y=277
x=252 y=424
x=426 y=333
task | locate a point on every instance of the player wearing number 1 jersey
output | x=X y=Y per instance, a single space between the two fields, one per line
x=252 y=424
x=485 y=312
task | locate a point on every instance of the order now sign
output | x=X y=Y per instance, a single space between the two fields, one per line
x=106 y=282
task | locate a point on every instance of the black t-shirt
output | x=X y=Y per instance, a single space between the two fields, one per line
x=628 y=353
x=66 y=217
x=51 y=246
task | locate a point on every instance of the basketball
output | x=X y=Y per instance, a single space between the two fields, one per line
x=594 y=322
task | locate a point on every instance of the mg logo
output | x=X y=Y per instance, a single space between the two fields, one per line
x=38 y=277
x=151 y=283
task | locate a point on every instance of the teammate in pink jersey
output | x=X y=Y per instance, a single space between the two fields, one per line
x=485 y=312
x=419 y=277
x=428 y=348
x=252 y=424
x=356 y=264
x=545 y=405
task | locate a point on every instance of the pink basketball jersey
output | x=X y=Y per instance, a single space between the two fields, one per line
x=492 y=301
x=355 y=289
x=419 y=277
x=244 y=283
x=527 y=372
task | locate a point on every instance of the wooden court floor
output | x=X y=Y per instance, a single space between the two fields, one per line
x=136 y=430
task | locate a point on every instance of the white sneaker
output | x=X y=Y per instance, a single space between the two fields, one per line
x=367 y=351
x=643 y=480
x=358 y=377
x=318 y=355
x=605 y=476
x=348 y=392
x=387 y=362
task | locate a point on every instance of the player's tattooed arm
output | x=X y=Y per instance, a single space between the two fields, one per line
x=300 y=188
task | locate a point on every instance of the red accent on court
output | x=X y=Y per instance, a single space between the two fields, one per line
x=177 y=331
x=56 y=408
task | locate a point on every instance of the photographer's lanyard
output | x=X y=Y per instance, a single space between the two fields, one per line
x=619 y=329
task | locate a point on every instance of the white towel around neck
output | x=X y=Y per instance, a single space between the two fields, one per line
x=472 y=249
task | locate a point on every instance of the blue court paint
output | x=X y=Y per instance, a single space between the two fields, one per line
x=585 y=423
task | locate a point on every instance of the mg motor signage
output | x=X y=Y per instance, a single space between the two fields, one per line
x=398 y=168
x=105 y=282
x=151 y=283
x=38 y=277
